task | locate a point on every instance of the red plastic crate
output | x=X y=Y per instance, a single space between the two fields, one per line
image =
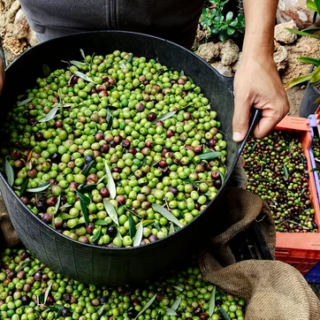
x=301 y=250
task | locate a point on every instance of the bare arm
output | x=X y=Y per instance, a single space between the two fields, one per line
x=257 y=82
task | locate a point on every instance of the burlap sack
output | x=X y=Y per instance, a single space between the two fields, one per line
x=8 y=236
x=273 y=290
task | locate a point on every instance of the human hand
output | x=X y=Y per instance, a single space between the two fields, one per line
x=257 y=84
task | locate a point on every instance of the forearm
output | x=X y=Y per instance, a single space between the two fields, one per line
x=259 y=35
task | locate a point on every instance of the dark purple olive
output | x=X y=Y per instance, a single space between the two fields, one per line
x=112 y=231
x=37 y=276
x=56 y=158
x=88 y=158
x=38 y=136
x=104 y=148
x=126 y=143
x=151 y=116
x=132 y=313
x=47 y=218
x=153 y=238
x=65 y=312
x=25 y=300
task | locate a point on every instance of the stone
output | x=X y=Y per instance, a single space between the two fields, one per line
x=236 y=65
x=280 y=57
x=208 y=51
x=229 y=52
x=222 y=69
x=32 y=38
x=284 y=36
x=21 y=26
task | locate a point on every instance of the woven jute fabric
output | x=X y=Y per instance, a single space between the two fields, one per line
x=8 y=236
x=273 y=290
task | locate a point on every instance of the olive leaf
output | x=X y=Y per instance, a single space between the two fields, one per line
x=83 y=198
x=170 y=312
x=224 y=314
x=46 y=70
x=191 y=182
x=130 y=58
x=87 y=168
x=101 y=179
x=46 y=294
x=83 y=76
x=9 y=172
x=84 y=210
x=222 y=177
x=100 y=223
x=178 y=288
x=181 y=73
x=176 y=304
x=24 y=185
x=56 y=308
x=24 y=264
x=51 y=114
x=78 y=64
x=64 y=216
x=145 y=223
x=56 y=210
x=167 y=214
x=111 y=185
x=298 y=80
x=132 y=227
x=165 y=116
x=138 y=236
x=157 y=226
x=40 y=188
x=212 y=301
x=22 y=103
x=109 y=119
x=101 y=310
x=146 y=307
x=66 y=205
x=87 y=188
x=82 y=54
x=285 y=171
x=210 y=155
x=111 y=211
x=97 y=235
x=171 y=230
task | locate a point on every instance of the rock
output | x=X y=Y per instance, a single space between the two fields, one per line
x=208 y=51
x=21 y=26
x=229 y=52
x=280 y=57
x=236 y=65
x=32 y=38
x=283 y=35
x=305 y=46
x=200 y=35
x=12 y=11
x=14 y=45
x=222 y=69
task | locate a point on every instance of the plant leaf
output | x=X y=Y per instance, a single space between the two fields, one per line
x=308 y=60
x=181 y=73
x=146 y=307
x=302 y=33
x=51 y=114
x=285 y=171
x=84 y=210
x=64 y=216
x=78 y=64
x=176 y=304
x=109 y=119
x=315 y=75
x=24 y=185
x=165 y=116
x=66 y=205
x=83 y=76
x=171 y=230
x=138 y=236
x=132 y=227
x=145 y=223
x=297 y=81
x=46 y=294
x=130 y=58
x=24 y=264
x=22 y=103
x=315 y=169
x=87 y=168
x=167 y=214
x=191 y=182
x=87 y=188
x=317 y=4
x=97 y=235
x=40 y=188
x=111 y=211
x=82 y=54
x=9 y=173
x=57 y=209
x=111 y=185
x=212 y=302
x=84 y=198
x=46 y=70
x=222 y=177
x=100 y=223
x=170 y=312
x=178 y=288
x=101 y=310
x=209 y=155
x=311 y=5
x=224 y=314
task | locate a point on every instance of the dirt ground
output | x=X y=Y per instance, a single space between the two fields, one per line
x=295 y=96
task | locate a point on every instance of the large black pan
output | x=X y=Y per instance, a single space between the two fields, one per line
x=90 y=263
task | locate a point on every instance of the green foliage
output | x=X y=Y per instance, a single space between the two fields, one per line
x=220 y=23
x=313 y=77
